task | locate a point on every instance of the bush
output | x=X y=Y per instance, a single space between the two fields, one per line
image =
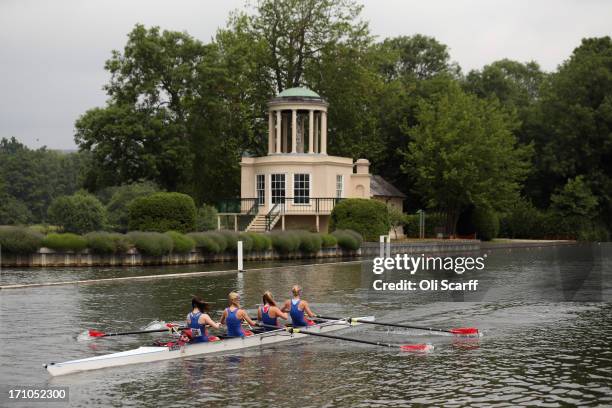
x=106 y=242
x=310 y=243
x=348 y=239
x=205 y=242
x=285 y=242
x=78 y=213
x=18 y=240
x=486 y=223
x=162 y=212
x=65 y=242
x=370 y=218
x=433 y=221
x=328 y=241
x=151 y=243
x=117 y=207
x=219 y=240
x=231 y=239
x=247 y=241
x=181 y=243
x=206 y=219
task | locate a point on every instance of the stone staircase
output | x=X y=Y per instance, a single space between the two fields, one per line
x=258 y=224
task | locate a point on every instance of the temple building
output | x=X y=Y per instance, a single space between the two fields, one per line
x=297 y=184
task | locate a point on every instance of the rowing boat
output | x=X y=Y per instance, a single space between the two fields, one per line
x=151 y=354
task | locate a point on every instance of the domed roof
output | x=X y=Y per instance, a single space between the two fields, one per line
x=299 y=93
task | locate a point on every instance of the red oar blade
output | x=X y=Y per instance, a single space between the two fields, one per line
x=465 y=331
x=419 y=348
x=96 y=333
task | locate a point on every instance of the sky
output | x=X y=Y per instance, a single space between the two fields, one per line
x=52 y=53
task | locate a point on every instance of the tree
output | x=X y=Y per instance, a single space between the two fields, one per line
x=206 y=218
x=161 y=212
x=463 y=152
x=575 y=125
x=575 y=199
x=121 y=199
x=79 y=213
x=298 y=32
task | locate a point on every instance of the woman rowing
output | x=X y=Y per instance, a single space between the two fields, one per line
x=233 y=317
x=297 y=307
x=198 y=319
x=269 y=313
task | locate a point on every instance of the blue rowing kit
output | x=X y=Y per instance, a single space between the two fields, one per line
x=233 y=323
x=297 y=315
x=198 y=331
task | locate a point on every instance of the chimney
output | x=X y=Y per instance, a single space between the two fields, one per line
x=362 y=166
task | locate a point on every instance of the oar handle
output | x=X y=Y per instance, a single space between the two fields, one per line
x=178 y=328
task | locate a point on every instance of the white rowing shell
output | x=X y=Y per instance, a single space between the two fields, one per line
x=150 y=354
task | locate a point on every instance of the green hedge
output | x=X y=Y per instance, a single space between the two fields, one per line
x=348 y=239
x=106 y=242
x=181 y=244
x=285 y=242
x=247 y=241
x=18 y=240
x=261 y=242
x=151 y=243
x=370 y=218
x=162 y=212
x=328 y=241
x=78 y=213
x=65 y=242
x=205 y=242
x=310 y=243
x=231 y=239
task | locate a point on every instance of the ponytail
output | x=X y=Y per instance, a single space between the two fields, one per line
x=234 y=299
x=267 y=298
x=198 y=302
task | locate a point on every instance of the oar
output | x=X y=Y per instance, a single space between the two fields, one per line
x=464 y=331
x=403 y=347
x=169 y=327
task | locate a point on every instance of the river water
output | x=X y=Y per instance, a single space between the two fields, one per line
x=546 y=323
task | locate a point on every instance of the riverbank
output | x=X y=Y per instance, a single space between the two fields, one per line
x=46 y=257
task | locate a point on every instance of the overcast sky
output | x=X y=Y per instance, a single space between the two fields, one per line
x=52 y=53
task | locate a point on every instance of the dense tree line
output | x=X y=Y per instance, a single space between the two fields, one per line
x=506 y=138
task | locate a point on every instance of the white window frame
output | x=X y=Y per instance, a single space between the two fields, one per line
x=340 y=179
x=261 y=200
x=307 y=197
x=272 y=196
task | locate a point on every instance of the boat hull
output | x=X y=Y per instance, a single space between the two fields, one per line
x=151 y=354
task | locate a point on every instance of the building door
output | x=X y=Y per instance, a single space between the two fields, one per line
x=278 y=188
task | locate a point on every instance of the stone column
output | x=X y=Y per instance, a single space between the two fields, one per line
x=285 y=146
x=278 y=131
x=271 y=132
x=317 y=133
x=323 y=132
x=293 y=131
x=310 y=131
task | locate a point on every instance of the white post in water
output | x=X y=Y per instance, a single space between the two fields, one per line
x=240 y=262
x=382 y=246
x=388 y=246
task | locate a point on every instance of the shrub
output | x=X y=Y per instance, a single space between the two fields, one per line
x=18 y=240
x=261 y=242
x=161 y=212
x=231 y=239
x=348 y=239
x=206 y=218
x=328 y=240
x=65 y=242
x=309 y=242
x=205 y=242
x=433 y=221
x=78 y=213
x=247 y=242
x=368 y=217
x=285 y=242
x=486 y=223
x=151 y=243
x=181 y=243
x=106 y=242
x=117 y=207
x=219 y=240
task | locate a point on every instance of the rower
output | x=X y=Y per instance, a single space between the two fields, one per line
x=233 y=317
x=297 y=307
x=269 y=313
x=198 y=319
